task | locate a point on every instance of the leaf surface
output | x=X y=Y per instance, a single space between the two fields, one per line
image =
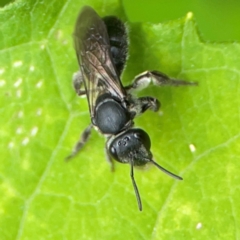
x=195 y=135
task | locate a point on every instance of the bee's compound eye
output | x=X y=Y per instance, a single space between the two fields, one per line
x=142 y=137
x=137 y=135
x=113 y=152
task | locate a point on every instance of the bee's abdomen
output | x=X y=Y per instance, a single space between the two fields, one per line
x=118 y=41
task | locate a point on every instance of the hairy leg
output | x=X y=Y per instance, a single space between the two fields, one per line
x=157 y=78
x=77 y=83
x=81 y=142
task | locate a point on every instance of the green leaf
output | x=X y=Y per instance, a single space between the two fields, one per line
x=196 y=133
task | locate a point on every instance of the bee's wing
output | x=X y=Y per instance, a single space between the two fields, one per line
x=94 y=57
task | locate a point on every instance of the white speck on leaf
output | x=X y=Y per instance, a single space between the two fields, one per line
x=19 y=130
x=2 y=82
x=39 y=112
x=2 y=71
x=189 y=15
x=192 y=147
x=39 y=84
x=10 y=145
x=18 y=83
x=32 y=68
x=20 y=114
x=19 y=93
x=17 y=63
x=65 y=42
x=34 y=131
x=25 y=141
x=199 y=226
x=59 y=34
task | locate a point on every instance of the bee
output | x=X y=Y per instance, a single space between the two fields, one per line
x=101 y=46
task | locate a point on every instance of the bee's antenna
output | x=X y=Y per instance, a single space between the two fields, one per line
x=165 y=170
x=135 y=187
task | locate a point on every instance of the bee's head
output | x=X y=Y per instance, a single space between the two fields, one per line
x=132 y=146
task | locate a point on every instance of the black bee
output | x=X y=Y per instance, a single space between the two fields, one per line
x=101 y=47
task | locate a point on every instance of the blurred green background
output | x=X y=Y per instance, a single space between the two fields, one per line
x=218 y=20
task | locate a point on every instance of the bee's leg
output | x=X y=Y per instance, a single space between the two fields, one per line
x=157 y=78
x=77 y=83
x=81 y=142
x=109 y=158
x=145 y=103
